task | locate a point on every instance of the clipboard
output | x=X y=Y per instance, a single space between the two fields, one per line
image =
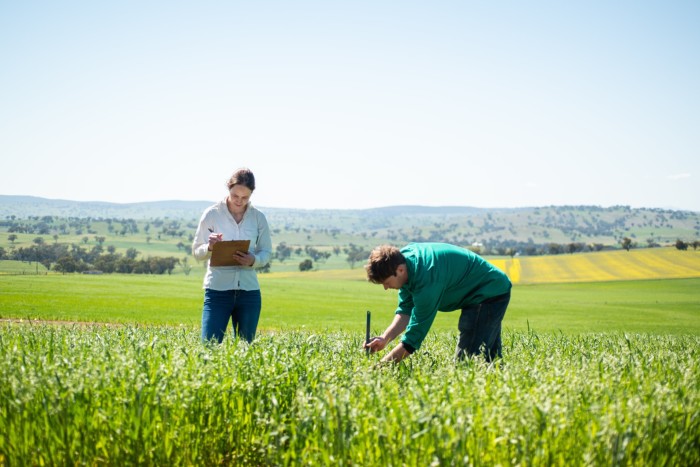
x=222 y=252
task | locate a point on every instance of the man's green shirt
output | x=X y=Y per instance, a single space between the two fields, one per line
x=444 y=277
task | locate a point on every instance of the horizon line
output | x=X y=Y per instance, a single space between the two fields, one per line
x=442 y=206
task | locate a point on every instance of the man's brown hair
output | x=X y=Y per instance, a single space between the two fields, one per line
x=382 y=263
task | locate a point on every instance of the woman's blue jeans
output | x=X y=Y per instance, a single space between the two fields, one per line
x=480 y=329
x=242 y=307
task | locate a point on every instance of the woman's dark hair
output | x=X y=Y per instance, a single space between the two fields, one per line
x=382 y=263
x=242 y=177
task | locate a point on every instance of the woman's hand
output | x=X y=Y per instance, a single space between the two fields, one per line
x=244 y=258
x=215 y=238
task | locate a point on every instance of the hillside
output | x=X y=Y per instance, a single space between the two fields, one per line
x=499 y=230
x=28 y=206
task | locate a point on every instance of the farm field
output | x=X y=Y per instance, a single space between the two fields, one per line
x=337 y=300
x=598 y=372
x=646 y=263
x=21 y=267
x=151 y=395
x=649 y=263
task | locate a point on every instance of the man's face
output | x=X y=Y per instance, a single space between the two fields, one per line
x=397 y=280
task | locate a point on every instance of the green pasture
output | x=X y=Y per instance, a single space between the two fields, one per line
x=21 y=267
x=337 y=300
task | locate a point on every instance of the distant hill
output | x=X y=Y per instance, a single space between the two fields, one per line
x=28 y=206
x=501 y=228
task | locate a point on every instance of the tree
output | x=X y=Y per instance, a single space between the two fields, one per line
x=355 y=254
x=306 y=265
x=106 y=263
x=12 y=238
x=681 y=245
x=283 y=251
x=316 y=255
x=555 y=249
x=66 y=264
x=186 y=267
x=627 y=243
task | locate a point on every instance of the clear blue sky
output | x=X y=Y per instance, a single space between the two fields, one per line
x=353 y=104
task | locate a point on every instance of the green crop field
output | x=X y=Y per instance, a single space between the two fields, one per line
x=594 y=373
x=145 y=395
x=337 y=300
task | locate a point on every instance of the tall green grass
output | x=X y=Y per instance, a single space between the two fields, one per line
x=130 y=395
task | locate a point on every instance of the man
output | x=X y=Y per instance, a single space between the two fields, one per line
x=432 y=277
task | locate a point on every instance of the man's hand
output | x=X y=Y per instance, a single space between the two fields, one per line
x=376 y=344
x=395 y=328
x=397 y=354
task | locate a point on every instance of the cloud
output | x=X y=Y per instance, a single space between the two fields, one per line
x=678 y=176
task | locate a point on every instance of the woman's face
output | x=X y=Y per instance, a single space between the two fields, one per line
x=239 y=195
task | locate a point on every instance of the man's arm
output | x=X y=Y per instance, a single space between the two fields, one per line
x=396 y=327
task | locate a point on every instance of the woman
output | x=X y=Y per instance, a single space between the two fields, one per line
x=233 y=292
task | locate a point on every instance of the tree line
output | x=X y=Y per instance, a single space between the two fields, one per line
x=80 y=258
x=67 y=258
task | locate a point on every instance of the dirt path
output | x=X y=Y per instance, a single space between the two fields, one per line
x=56 y=322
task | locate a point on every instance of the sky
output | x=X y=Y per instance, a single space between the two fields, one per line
x=353 y=104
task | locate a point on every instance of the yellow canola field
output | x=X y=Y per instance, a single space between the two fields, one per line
x=648 y=263
x=618 y=265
